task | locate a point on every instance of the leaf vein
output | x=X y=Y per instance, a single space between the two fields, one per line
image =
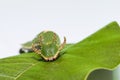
x=24 y=71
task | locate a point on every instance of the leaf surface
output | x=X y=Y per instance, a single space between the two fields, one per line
x=101 y=50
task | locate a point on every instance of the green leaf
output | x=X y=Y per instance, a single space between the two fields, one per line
x=101 y=50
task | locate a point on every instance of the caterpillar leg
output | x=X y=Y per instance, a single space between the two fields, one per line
x=60 y=48
x=38 y=51
x=63 y=44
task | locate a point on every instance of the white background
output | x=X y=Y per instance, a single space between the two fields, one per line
x=21 y=20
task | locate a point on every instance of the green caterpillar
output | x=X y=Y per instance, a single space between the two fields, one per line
x=50 y=46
